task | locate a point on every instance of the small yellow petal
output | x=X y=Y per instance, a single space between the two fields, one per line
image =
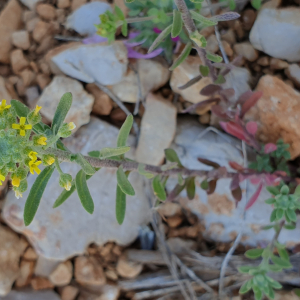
x=2 y=178
x=28 y=127
x=16 y=181
x=15 y=126
x=22 y=132
x=22 y=121
x=37 y=109
x=37 y=170
x=71 y=126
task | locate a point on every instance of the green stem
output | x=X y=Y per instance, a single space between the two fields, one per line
x=58 y=167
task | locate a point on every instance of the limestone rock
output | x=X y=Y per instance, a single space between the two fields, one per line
x=84 y=18
x=89 y=272
x=26 y=272
x=277 y=113
x=10 y=21
x=246 y=50
x=4 y=94
x=41 y=283
x=30 y=254
x=106 y=64
x=18 y=61
x=82 y=101
x=62 y=274
x=293 y=72
x=31 y=295
x=153 y=75
x=44 y=266
x=20 y=39
x=127 y=268
x=218 y=212
x=274 y=29
x=69 y=292
x=186 y=71
x=66 y=231
x=11 y=248
x=46 y=11
x=157 y=130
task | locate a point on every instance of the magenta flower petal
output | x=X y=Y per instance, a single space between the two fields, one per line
x=270 y=147
x=134 y=54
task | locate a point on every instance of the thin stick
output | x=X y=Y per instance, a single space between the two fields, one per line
x=140 y=97
x=120 y=104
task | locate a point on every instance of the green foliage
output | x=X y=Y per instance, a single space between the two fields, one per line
x=158 y=188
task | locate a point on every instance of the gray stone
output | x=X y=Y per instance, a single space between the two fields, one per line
x=67 y=230
x=44 y=267
x=4 y=94
x=218 y=211
x=153 y=75
x=276 y=32
x=103 y=63
x=293 y=72
x=84 y=19
x=157 y=130
x=11 y=248
x=31 y=295
x=82 y=101
x=246 y=50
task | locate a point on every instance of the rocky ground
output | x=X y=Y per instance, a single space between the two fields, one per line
x=66 y=254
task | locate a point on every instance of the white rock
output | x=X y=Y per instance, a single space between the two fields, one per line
x=4 y=94
x=276 y=32
x=31 y=4
x=82 y=101
x=103 y=63
x=157 y=130
x=293 y=72
x=31 y=295
x=217 y=211
x=153 y=75
x=11 y=248
x=186 y=71
x=67 y=230
x=84 y=19
x=44 y=267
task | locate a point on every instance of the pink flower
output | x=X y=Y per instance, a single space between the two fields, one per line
x=270 y=147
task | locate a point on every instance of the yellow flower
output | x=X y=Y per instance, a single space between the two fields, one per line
x=68 y=185
x=37 y=109
x=2 y=178
x=33 y=165
x=16 y=181
x=42 y=141
x=22 y=127
x=32 y=155
x=50 y=160
x=71 y=126
x=3 y=106
x=18 y=195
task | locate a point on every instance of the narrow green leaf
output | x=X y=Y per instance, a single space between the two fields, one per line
x=275 y=268
x=177 y=23
x=279 y=214
x=246 y=287
x=290 y=226
x=213 y=57
x=83 y=192
x=142 y=171
x=190 y=187
x=283 y=254
x=124 y=183
x=21 y=109
x=202 y=19
x=181 y=58
x=267 y=227
x=232 y=4
x=275 y=284
x=172 y=156
x=158 y=188
x=280 y=262
x=256 y=4
x=220 y=79
x=109 y=152
x=204 y=184
x=204 y=70
x=119 y=13
x=62 y=109
x=273 y=215
x=160 y=38
x=198 y=39
x=84 y=164
x=244 y=269
x=273 y=190
x=258 y=295
x=254 y=253
x=36 y=193
x=64 y=195
x=297 y=190
x=292 y=215
x=124 y=28
x=169 y=166
x=120 y=205
x=270 y=201
x=180 y=179
x=124 y=131
x=95 y=154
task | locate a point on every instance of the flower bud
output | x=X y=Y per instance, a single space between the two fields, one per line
x=48 y=160
x=65 y=181
x=66 y=130
x=34 y=116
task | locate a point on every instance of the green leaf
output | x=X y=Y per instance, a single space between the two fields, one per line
x=244 y=269
x=124 y=131
x=172 y=156
x=95 y=154
x=290 y=226
x=158 y=188
x=61 y=112
x=281 y=262
x=254 y=253
x=177 y=23
x=273 y=215
x=21 y=109
x=275 y=284
x=267 y=227
x=198 y=39
x=180 y=179
x=256 y=4
x=119 y=13
x=190 y=187
x=120 y=205
x=220 y=79
x=273 y=190
x=83 y=192
x=270 y=201
x=142 y=171
x=213 y=57
x=204 y=70
x=297 y=292
x=64 y=195
x=246 y=287
x=124 y=28
x=297 y=190
x=181 y=58
x=124 y=183
x=84 y=164
x=35 y=194
x=169 y=166
x=283 y=254
x=275 y=268
x=258 y=295
x=291 y=214
x=160 y=38
x=232 y=4
x=204 y=184
x=285 y=190
x=110 y=152
x=279 y=214
x=202 y=19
